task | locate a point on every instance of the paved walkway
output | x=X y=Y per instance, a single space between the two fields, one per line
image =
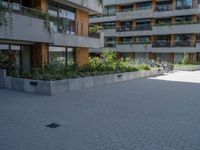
x=147 y=114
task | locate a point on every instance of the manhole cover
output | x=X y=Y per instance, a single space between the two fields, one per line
x=53 y=125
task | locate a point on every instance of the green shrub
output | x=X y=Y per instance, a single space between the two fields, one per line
x=185 y=59
x=144 y=67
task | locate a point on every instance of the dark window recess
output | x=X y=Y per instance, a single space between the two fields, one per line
x=33 y=83
x=53 y=125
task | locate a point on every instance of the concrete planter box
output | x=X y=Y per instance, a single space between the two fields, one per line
x=2 y=78
x=67 y=85
x=187 y=68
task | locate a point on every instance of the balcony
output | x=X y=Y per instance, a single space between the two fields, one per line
x=171 y=13
x=133 y=28
x=176 y=28
x=134 y=46
x=93 y=6
x=39 y=27
x=161 y=8
x=102 y=19
x=140 y=30
x=161 y=44
x=116 y=2
x=138 y=14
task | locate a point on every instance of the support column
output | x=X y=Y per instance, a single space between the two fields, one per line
x=134 y=7
x=39 y=55
x=152 y=56
x=193 y=39
x=192 y=57
x=195 y=4
x=82 y=54
x=40 y=51
x=40 y=4
x=154 y=3
x=173 y=4
x=171 y=57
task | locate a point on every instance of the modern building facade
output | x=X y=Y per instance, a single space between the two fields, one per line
x=39 y=31
x=152 y=29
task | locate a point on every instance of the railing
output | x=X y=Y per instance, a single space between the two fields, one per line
x=185 y=43
x=188 y=43
x=184 y=7
x=109 y=44
x=177 y=23
x=167 y=7
x=95 y=35
x=126 y=10
x=133 y=42
x=161 y=44
x=133 y=28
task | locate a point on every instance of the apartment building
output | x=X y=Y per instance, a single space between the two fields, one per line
x=39 y=31
x=163 y=30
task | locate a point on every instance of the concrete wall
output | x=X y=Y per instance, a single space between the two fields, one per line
x=134 y=48
x=25 y=28
x=62 y=86
x=187 y=68
x=176 y=29
x=2 y=78
x=122 y=16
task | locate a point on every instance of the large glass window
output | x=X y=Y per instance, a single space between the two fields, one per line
x=142 y=39
x=144 y=5
x=67 y=17
x=183 y=4
x=183 y=18
x=61 y=54
x=109 y=11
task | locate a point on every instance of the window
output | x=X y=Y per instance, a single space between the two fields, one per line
x=183 y=18
x=109 y=11
x=184 y=4
x=144 y=5
x=142 y=39
x=109 y=25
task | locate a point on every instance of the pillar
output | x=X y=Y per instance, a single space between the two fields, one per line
x=154 y=3
x=171 y=57
x=173 y=4
x=193 y=39
x=152 y=56
x=81 y=56
x=195 y=4
x=40 y=4
x=39 y=55
x=192 y=57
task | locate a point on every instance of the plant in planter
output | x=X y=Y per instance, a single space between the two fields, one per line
x=3 y=10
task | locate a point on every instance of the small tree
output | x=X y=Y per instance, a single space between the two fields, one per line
x=185 y=59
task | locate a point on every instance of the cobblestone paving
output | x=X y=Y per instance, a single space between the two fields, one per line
x=147 y=114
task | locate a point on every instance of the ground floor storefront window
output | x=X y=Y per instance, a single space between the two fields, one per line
x=62 y=54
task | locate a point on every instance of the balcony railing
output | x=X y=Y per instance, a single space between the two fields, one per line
x=133 y=28
x=109 y=44
x=185 y=43
x=167 y=7
x=133 y=42
x=176 y=23
x=161 y=44
x=184 y=7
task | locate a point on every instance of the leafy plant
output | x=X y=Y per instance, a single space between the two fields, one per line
x=3 y=10
x=185 y=59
